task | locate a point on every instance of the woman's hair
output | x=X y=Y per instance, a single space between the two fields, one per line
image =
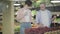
x=28 y=2
x=21 y=6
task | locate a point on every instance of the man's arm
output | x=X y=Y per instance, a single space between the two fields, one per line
x=50 y=15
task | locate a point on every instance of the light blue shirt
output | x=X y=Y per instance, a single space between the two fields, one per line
x=44 y=17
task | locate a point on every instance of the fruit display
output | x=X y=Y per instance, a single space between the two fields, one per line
x=40 y=30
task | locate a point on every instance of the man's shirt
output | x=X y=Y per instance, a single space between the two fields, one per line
x=44 y=17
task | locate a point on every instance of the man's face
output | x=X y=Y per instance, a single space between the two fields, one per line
x=42 y=6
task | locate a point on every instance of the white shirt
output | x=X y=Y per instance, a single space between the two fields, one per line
x=23 y=15
x=44 y=17
x=27 y=15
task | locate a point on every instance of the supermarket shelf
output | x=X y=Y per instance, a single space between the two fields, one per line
x=1 y=21
x=1 y=13
x=1 y=17
x=55 y=12
x=0 y=31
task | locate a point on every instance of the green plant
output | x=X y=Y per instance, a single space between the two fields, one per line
x=17 y=28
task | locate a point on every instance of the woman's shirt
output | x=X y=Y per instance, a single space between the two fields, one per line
x=24 y=15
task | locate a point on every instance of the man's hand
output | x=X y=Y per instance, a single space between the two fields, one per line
x=36 y=25
x=40 y=25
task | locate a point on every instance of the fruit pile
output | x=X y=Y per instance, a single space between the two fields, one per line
x=39 y=30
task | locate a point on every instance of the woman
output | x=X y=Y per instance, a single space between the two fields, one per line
x=24 y=17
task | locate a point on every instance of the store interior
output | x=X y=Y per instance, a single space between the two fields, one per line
x=10 y=8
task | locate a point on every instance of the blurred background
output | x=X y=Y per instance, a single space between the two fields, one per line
x=10 y=7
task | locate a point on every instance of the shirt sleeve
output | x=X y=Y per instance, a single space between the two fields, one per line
x=50 y=15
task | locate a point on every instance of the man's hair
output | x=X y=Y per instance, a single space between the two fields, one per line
x=28 y=2
x=43 y=3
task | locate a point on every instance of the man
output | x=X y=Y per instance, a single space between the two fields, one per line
x=24 y=17
x=43 y=17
